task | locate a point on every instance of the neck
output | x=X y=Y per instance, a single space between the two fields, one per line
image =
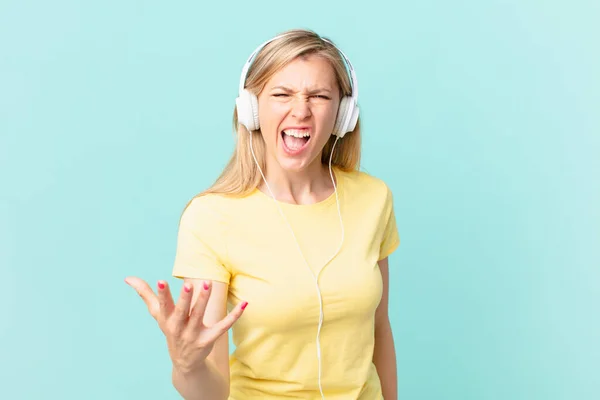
x=308 y=186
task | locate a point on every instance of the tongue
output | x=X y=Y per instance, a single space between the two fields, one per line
x=294 y=143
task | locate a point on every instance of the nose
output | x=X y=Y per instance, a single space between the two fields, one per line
x=300 y=108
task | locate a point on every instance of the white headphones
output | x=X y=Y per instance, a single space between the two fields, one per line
x=247 y=103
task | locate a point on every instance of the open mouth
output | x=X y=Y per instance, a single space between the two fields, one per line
x=295 y=140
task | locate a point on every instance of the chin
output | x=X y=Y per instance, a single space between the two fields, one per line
x=293 y=165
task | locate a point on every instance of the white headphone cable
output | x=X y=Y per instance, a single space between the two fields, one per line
x=300 y=250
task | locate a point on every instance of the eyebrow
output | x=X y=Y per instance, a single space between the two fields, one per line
x=313 y=91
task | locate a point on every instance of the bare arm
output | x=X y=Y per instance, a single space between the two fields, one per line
x=205 y=383
x=384 y=356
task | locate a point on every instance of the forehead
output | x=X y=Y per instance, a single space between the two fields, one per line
x=305 y=72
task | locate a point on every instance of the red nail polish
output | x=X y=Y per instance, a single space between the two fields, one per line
x=244 y=304
x=186 y=288
x=205 y=285
x=161 y=285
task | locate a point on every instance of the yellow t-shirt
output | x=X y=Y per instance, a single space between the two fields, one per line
x=246 y=243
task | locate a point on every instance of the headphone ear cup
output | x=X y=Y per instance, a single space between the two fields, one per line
x=247 y=110
x=341 y=116
x=346 y=111
x=353 y=119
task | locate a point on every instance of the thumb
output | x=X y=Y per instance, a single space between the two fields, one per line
x=146 y=293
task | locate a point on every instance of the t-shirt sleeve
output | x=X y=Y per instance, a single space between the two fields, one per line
x=201 y=251
x=391 y=238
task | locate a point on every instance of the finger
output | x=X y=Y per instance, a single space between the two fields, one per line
x=182 y=308
x=223 y=325
x=165 y=299
x=199 y=307
x=146 y=293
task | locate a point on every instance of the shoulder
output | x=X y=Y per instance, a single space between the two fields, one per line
x=363 y=184
x=210 y=209
x=367 y=195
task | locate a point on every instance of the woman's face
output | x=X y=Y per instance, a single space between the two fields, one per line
x=297 y=111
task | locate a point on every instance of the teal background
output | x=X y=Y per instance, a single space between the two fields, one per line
x=482 y=116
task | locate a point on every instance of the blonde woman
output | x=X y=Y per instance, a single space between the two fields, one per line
x=289 y=247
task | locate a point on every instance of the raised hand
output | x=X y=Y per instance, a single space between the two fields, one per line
x=189 y=340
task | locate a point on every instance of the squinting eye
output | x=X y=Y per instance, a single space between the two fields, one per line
x=320 y=96
x=279 y=95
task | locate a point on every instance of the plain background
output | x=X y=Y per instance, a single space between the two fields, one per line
x=482 y=116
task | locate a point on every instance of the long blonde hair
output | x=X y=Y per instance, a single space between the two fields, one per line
x=241 y=176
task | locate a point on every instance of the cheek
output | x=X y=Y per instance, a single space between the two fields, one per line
x=327 y=117
x=270 y=115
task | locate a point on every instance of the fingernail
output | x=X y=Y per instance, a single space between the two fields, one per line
x=186 y=288
x=244 y=304
x=161 y=285
x=205 y=285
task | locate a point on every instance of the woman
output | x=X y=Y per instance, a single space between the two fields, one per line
x=293 y=230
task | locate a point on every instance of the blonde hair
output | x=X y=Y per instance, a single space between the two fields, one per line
x=241 y=176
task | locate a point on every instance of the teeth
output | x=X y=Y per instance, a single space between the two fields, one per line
x=299 y=133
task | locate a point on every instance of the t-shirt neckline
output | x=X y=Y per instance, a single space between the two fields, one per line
x=337 y=175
